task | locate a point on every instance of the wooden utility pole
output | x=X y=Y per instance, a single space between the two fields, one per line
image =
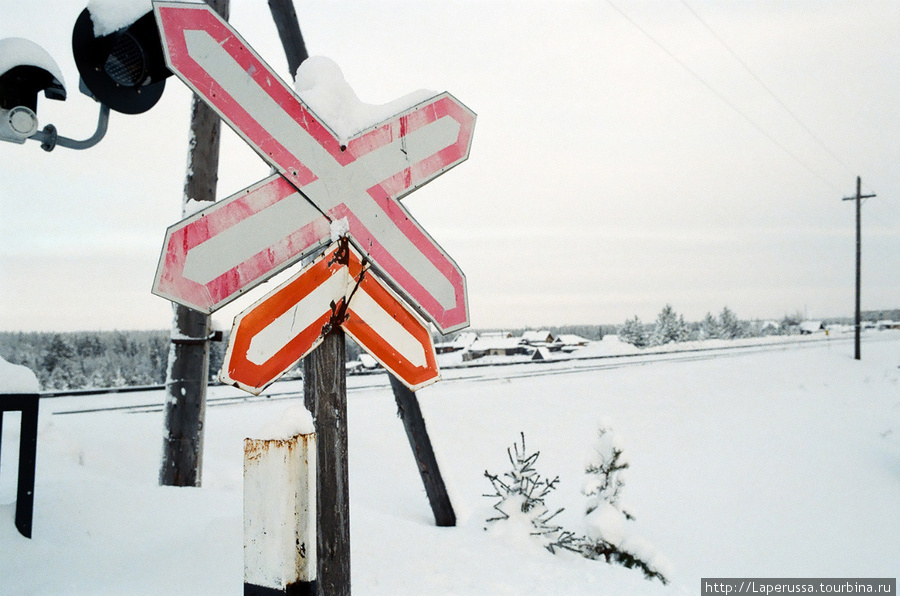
x=858 y=318
x=188 y=372
x=325 y=394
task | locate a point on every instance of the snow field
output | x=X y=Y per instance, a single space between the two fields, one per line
x=772 y=464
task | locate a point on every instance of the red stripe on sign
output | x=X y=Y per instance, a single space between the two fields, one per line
x=222 y=60
x=390 y=266
x=177 y=21
x=190 y=233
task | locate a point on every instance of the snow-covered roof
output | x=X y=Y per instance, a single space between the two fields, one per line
x=368 y=361
x=495 y=343
x=811 y=325
x=569 y=339
x=464 y=340
x=541 y=354
x=537 y=336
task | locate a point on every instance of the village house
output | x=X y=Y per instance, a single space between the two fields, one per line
x=537 y=338
x=495 y=346
x=568 y=342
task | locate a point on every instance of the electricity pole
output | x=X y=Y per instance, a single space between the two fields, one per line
x=859 y=197
x=188 y=371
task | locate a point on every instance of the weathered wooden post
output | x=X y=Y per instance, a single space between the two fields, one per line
x=188 y=370
x=280 y=508
x=325 y=394
x=411 y=414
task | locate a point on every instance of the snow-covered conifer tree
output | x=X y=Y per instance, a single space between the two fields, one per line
x=669 y=328
x=729 y=324
x=633 y=332
x=609 y=536
x=709 y=327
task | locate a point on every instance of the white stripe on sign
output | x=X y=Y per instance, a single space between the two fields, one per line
x=289 y=325
x=336 y=184
x=224 y=69
x=330 y=192
x=393 y=333
x=232 y=246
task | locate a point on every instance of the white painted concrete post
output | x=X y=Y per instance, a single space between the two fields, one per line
x=280 y=515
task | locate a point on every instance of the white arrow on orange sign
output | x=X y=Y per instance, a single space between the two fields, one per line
x=337 y=289
x=237 y=243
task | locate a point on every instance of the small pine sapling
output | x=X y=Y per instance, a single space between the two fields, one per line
x=604 y=471
x=521 y=492
x=607 y=538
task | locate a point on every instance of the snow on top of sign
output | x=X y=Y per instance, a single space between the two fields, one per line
x=295 y=420
x=16 y=51
x=15 y=378
x=109 y=16
x=321 y=85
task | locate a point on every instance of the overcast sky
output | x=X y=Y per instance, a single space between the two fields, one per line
x=626 y=155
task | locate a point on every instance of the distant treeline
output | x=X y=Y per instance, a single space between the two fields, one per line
x=696 y=329
x=101 y=359
x=92 y=359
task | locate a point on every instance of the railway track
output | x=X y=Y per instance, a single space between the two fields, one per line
x=220 y=396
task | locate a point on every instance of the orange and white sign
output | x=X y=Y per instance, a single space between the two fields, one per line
x=338 y=288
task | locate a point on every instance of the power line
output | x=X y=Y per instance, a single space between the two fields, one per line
x=721 y=97
x=767 y=89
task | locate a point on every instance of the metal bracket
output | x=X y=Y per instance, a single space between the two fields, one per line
x=196 y=341
x=49 y=138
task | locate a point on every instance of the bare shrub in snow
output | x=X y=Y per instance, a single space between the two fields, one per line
x=521 y=494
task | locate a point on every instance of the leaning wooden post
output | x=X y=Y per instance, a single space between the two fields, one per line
x=280 y=512
x=411 y=414
x=325 y=393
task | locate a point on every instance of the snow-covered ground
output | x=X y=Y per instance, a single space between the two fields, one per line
x=779 y=463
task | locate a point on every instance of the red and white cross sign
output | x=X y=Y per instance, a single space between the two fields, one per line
x=241 y=241
x=337 y=289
